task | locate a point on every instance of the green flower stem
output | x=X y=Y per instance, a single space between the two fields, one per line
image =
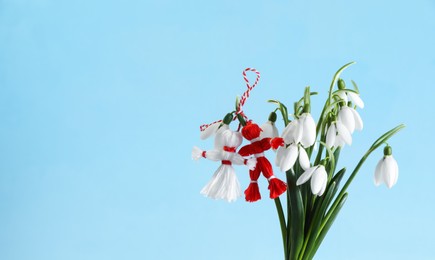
x=325 y=228
x=320 y=209
x=282 y=224
x=295 y=236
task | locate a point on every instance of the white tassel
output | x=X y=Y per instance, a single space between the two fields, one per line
x=196 y=153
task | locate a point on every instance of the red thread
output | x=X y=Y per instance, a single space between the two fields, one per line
x=203 y=154
x=226 y=162
x=203 y=127
x=230 y=149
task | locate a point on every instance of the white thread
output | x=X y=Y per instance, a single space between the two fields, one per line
x=258 y=155
x=271 y=177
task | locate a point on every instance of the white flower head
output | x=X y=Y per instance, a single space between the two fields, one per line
x=292 y=132
x=298 y=134
x=338 y=135
x=319 y=179
x=347 y=96
x=286 y=157
x=350 y=119
x=308 y=128
x=387 y=170
x=269 y=130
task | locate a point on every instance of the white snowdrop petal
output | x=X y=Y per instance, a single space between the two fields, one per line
x=391 y=171
x=330 y=136
x=346 y=117
x=288 y=133
x=356 y=99
x=267 y=130
x=343 y=96
x=318 y=179
x=298 y=131
x=279 y=155
x=378 y=179
x=322 y=190
x=358 y=121
x=304 y=161
x=290 y=158
x=339 y=141
x=308 y=130
x=275 y=131
x=344 y=133
x=305 y=176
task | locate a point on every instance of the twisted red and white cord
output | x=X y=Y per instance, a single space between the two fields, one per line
x=245 y=95
x=205 y=126
x=243 y=99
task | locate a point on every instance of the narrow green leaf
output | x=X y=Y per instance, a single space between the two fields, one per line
x=282 y=224
x=295 y=237
x=318 y=217
x=326 y=226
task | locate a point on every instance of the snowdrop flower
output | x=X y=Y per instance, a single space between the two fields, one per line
x=319 y=179
x=337 y=135
x=286 y=157
x=308 y=128
x=347 y=96
x=298 y=134
x=269 y=129
x=350 y=119
x=387 y=170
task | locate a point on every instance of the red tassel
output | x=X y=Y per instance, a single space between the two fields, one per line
x=252 y=193
x=276 y=187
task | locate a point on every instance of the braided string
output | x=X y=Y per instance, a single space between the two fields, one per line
x=243 y=99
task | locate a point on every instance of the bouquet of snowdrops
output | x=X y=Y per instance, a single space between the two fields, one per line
x=306 y=151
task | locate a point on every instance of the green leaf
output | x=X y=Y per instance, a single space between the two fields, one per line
x=295 y=207
x=326 y=226
x=282 y=223
x=319 y=212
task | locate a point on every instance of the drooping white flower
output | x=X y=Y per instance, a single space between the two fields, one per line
x=269 y=130
x=292 y=132
x=355 y=98
x=308 y=128
x=347 y=96
x=319 y=179
x=387 y=170
x=286 y=157
x=293 y=136
x=338 y=135
x=350 y=119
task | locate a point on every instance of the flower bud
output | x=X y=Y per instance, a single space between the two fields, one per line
x=341 y=84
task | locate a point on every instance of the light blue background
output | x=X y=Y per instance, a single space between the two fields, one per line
x=101 y=101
